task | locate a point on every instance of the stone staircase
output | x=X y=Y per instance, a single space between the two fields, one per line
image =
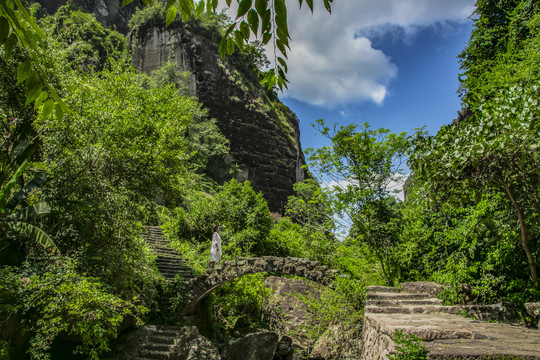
x=162 y=342
x=169 y=262
x=447 y=334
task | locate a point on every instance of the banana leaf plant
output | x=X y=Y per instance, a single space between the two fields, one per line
x=15 y=217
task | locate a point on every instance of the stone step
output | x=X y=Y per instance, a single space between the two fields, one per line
x=159 y=347
x=385 y=289
x=154 y=355
x=407 y=302
x=424 y=309
x=396 y=296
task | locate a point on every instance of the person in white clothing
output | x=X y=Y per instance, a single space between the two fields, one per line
x=215 y=248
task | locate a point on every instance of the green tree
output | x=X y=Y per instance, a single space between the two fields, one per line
x=363 y=163
x=495 y=151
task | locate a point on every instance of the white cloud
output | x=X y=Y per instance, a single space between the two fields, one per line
x=331 y=63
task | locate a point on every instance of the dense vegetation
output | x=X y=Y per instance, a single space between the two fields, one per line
x=92 y=150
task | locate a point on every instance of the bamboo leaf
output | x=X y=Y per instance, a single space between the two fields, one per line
x=34 y=234
x=230 y=46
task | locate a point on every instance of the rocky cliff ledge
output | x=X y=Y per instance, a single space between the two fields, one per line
x=263 y=133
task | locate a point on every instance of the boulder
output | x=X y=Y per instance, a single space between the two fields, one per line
x=255 y=346
x=534 y=310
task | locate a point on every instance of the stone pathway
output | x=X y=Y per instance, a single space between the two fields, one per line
x=169 y=261
x=416 y=310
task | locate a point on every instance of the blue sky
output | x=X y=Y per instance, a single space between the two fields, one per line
x=392 y=63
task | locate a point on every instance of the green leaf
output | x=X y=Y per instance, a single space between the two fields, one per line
x=266 y=21
x=169 y=4
x=223 y=47
x=281 y=47
x=281 y=15
x=24 y=70
x=10 y=44
x=35 y=183
x=171 y=15
x=40 y=99
x=5 y=191
x=261 y=6
x=126 y=2
x=230 y=45
x=283 y=63
x=266 y=38
x=253 y=20
x=200 y=9
x=22 y=152
x=239 y=39
x=310 y=4
x=244 y=28
x=4 y=29
x=47 y=108
x=228 y=2
x=243 y=8
x=34 y=233
x=328 y=6
x=58 y=112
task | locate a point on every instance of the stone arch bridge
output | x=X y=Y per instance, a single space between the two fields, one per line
x=199 y=287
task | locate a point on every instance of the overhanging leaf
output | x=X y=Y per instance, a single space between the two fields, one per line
x=34 y=234
x=35 y=183
x=48 y=208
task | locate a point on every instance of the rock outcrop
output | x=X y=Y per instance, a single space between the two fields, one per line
x=263 y=133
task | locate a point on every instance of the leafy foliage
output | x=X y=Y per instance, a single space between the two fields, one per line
x=409 y=347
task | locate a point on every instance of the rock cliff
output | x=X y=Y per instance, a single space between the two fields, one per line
x=263 y=133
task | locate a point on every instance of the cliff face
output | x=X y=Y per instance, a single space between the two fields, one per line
x=263 y=133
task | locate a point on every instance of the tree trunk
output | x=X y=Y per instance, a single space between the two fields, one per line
x=524 y=241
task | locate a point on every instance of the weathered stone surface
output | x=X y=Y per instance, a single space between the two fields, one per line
x=255 y=346
x=263 y=133
x=199 y=287
x=534 y=310
x=285 y=312
x=446 y=335
x=337 y=342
